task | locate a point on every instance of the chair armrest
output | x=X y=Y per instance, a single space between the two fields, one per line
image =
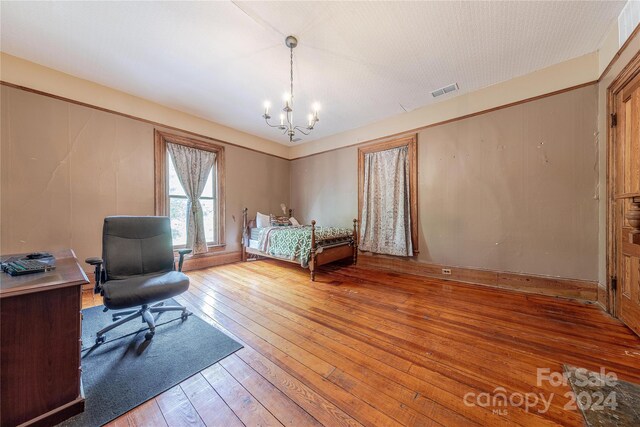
x=97 y=263
x=182 y=253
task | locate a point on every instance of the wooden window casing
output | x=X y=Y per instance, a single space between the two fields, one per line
x=161 y=171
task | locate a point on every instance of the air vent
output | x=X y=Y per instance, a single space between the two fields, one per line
x=447 y=89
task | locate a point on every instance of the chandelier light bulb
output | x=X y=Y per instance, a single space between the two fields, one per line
x=316 y=107
x=281 y=119
x=267 y=105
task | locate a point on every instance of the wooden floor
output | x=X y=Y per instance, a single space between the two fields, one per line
x=364 y=347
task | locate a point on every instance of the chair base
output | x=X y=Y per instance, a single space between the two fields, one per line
x=146 y=313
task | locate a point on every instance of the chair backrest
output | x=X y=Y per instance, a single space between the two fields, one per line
x=135 y=245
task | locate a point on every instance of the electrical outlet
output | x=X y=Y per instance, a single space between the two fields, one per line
x=446 y=271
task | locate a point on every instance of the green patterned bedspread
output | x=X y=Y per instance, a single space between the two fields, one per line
x=294 y=243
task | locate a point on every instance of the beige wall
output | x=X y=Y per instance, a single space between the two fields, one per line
x=574 y=72
x=512 y=190
x=23 y=73
x=65 y=167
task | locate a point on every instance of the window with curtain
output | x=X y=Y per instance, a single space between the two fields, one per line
x=388 y=197
x=190 y=190
x=178 y=208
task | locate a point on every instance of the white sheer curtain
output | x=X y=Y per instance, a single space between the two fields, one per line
x=386 y=207
x=193 y=167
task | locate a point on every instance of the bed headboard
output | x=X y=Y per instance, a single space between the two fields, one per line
x=248 y=223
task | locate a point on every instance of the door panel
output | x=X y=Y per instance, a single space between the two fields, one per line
x=626 y=175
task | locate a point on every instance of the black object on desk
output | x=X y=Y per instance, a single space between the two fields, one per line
x=39 y=255
x=37 y=262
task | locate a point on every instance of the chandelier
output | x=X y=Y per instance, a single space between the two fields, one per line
x=286 y=117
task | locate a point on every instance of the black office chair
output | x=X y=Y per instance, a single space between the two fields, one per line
x=138 y=269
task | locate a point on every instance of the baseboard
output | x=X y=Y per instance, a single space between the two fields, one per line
x=543 y=285
x=211 y=260
x=602 y=296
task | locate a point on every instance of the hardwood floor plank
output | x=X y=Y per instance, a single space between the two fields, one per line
x=374 y=348
x=455 y=401
x=454 y=356
x=401 y=413
x=121 y=421
x=242 y=403
x=284 y=409
x=146 y=415
x=316 y=405
x=323 y=410
x=177 y=409
x=507 y=339
x=437 y=380
x=210 y=407
x=353 y=406
x=367 y=370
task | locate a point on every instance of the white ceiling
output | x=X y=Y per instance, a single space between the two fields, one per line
x=363 y=61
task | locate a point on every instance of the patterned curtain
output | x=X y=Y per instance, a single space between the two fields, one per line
x=193 y=167
x=386 y=219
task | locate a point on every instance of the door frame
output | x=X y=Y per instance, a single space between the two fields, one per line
x=629 y=72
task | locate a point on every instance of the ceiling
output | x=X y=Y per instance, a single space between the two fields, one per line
x=362 y=61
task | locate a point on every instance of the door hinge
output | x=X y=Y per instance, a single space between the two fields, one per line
x=614 y=120
x=614 y=283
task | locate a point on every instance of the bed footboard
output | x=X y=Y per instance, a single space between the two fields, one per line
x=355 y=241
x=321 y=255
x=245 y=234
x=313 y=259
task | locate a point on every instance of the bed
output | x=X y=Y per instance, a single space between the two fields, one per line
x=307 y=245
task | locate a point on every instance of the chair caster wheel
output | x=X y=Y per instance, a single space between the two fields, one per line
x=185 y=315
x=100 y=339
x=149 y=335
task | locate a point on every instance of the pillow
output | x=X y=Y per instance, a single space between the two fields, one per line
x=279 y=221
x=262 y=220
x=293 y=221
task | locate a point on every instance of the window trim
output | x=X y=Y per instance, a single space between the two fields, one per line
x=161 y=176
x=411 y=142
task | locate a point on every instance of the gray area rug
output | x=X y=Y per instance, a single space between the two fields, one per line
x=126 y=370
x=604 y=400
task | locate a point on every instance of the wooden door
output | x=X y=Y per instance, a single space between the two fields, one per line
x=626 y=202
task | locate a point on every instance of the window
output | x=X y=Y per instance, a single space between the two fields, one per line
x=383 y=199
x=170 y=196
x=178 y=208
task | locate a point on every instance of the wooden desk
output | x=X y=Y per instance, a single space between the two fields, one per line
x=40 y=332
